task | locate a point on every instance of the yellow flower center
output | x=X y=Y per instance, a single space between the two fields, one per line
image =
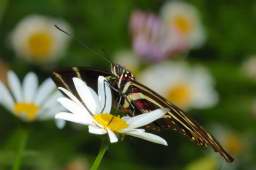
x=233 y=144
x=183 y=24
x=28 y=110
x=111 y=122
x=40 y=44
x=180 y=94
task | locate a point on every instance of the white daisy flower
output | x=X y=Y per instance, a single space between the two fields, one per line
x=181 y=85
x=249 y=67
x=184 y=19
x=37 y=40
x=28 y=101
x=94 y=111
x=236 y=143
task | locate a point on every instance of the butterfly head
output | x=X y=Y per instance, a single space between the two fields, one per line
x=121 y=72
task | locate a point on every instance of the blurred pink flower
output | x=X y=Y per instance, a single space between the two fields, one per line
x=152 y=40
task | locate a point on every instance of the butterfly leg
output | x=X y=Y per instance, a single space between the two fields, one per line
x=130 y=103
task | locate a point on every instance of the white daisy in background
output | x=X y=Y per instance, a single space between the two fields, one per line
x=249 y=67
x=235 y=143
x=94 y=111
x=28 y=101
x=184 y=19
x=128 y=59
x=37 y=40
x=181 y=85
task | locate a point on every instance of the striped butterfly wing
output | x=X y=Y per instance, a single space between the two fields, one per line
x=144 y=99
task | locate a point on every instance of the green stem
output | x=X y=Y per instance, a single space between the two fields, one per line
x=20 y=153
x=100 y=156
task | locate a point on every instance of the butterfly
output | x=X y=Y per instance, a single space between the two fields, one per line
x=135 y=98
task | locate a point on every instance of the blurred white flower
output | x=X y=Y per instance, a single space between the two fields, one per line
x=236 y=143
x=94 y=112
x=28 y=101
x=37 y=40
x=184 y=19
x=127 y=59
x=249 y=67
x=181 y=85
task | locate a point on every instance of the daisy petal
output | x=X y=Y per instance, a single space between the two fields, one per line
x=147 y=136
x=60 y=123
x=146 y=118
x=6 y=97
x=96 y=130
x=15 y=86
x=105 y=95
x=52 y=100
x=49 y=113
x=102 y=97
x=96 y=98
x=44 y=91
x=70 y=95
x=85 y=94
x=72 y=118
x=30 y=86
x=112 y=136
x=74 y=108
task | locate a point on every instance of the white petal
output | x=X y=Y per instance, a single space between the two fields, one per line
x=30 y=86
x=5 y=97
x=105 y=95
x=70 y=95
x=88 y=98
x=15 y=86
x=147 y=136
x=112 y=136
x=60 y=123
x=96 y=98
x=75 y=108
x=145 y=118
x=44 y=91
x=52 y=100
x=72 y=118
x=50 y=112
x=85 y=94
x=73 y=98
x=97 y=130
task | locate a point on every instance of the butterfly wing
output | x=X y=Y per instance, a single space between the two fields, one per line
x=63 y=77
x=143 y=99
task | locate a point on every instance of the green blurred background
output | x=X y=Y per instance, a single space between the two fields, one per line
x=230 y=28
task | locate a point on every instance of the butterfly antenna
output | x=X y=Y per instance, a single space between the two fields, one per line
x=84 y=44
